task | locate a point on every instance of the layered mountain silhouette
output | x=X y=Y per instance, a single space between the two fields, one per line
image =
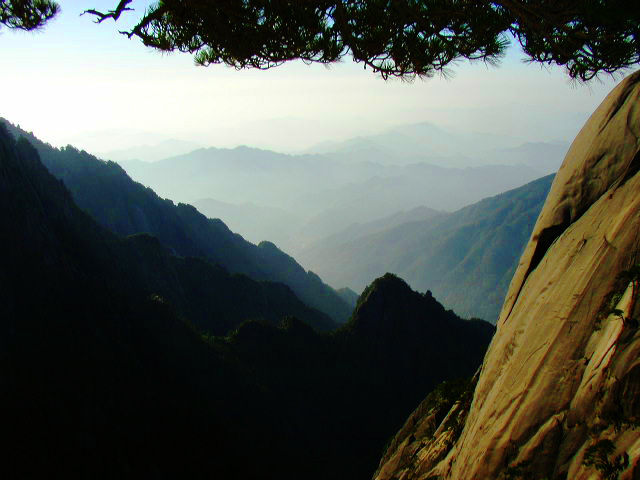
x=97 y=380
x=447 y=147
x=320 y=194
x=467 y=258
x=103 y=376
x=125 y=207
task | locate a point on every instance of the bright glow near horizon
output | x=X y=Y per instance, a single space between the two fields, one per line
x=84 y=84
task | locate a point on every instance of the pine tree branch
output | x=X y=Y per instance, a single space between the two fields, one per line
x=114 y=14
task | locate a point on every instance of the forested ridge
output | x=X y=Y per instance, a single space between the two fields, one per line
x=111 y=379
x=125 y=207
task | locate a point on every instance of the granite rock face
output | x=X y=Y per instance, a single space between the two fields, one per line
x=557 y=395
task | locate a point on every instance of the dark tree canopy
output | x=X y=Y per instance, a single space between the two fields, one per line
x=401 y=38
x=26 y=14
x=395 y=37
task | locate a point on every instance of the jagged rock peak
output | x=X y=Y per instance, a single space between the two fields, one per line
x=388 y=305
x=387 y=285
x=388 y=291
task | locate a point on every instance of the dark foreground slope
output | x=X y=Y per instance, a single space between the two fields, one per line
x=352 y=386
x=125 y=207
x=96 y=381
x=103 y=379
x=214 y=300
x=466 y=258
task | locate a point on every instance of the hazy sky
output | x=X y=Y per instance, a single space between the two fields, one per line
x=81 y=83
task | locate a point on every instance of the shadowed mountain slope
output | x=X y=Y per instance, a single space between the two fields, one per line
x=125 y=207
x=352 y=385
x=96 y=380
x=205 y=293
x=101 y=376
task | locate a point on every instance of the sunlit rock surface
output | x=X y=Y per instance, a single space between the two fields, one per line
x=558 y=390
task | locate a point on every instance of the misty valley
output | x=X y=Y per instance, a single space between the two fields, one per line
x=143 y=336
x=409 y=252
x=151 y=326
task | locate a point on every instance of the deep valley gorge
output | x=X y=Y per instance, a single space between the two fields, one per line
x=296 y=262
x=237 y=348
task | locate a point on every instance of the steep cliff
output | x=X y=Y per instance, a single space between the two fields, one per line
x=557 y=396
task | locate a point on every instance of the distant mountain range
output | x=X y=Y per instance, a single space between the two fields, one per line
x=427 y=143
x=466 y=258
x=151 y=153
x=125 y=207
x=422 y=139
x=443 y=189
x=318 y=194
x=104 y=375
x=422 y=142
x=344 y=241
x=330 y=210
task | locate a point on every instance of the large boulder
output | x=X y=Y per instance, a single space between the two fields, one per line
x=556 y=396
